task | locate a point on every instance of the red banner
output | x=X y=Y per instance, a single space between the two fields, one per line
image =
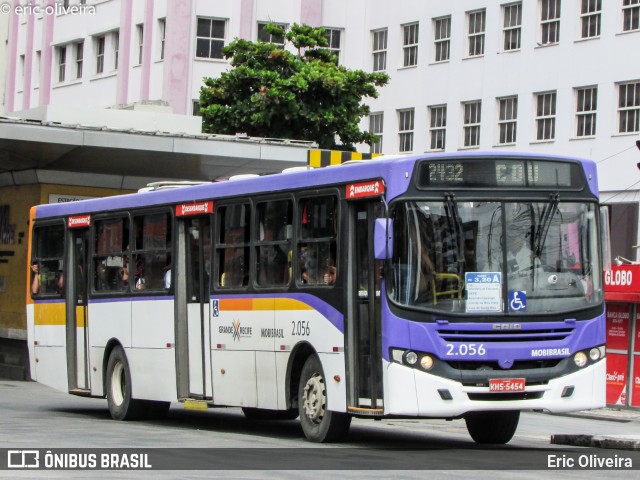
x=373 y=188
x=195 y=208
x=618 y=327
x=616 y=379
x=79 y=221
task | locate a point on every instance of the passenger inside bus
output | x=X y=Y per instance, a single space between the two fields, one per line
x=37 y=281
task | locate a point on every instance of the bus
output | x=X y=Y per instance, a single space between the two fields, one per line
x=440 y=286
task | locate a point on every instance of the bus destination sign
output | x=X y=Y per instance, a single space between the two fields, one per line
x=196 y=208
x=374 y=188
x=79 y=221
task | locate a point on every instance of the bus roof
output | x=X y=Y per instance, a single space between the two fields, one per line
x=391 y=168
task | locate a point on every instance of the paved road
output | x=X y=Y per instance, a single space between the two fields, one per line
x=35 y=416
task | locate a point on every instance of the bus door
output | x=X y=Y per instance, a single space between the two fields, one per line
x=74 y=284
x=193 y=335
x=364 y=331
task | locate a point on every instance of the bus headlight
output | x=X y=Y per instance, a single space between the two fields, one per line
x=426 y=362
x=594 y=354
x=411 y=358
x=580 y=359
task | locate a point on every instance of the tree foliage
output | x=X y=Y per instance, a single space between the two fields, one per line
x=272 y=92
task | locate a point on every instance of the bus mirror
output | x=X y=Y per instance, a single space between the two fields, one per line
x=383 y=238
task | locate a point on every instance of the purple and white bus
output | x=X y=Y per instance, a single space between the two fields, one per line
x=457 y=286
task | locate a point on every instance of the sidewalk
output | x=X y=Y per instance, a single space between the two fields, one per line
x=619 y=442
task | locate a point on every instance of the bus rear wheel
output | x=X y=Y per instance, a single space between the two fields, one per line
x=318 y=423
x=492 y=427
x=121 y=405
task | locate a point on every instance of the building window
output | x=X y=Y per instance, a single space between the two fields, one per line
x=586 y=106
x=508 y=119
x=471 y=125
x=410 y=44
x=36 y=80
x=333 y=41
x=266 y=37
x=100 y=41
x=62 y=63
x=405 y=130
x=116 y=49
x=23 y=68
x=442 y=40
x=629 y=107
x=437 y=127
x=550 y=22
x=210 y=38
x=140 y=30
x=376 y=121
x=631 y=15
x=512 y=26
x=162 y=27
x=545 y=116
x=477 y=22
x=79 y=58
x=195 y=107
x=379 y=50
x=590 y=13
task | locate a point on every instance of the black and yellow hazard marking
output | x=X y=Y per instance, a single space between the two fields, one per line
x=325 y=158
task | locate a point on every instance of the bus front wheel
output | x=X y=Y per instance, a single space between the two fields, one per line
x=318 y=423
x=121 y=405
x=492 y=427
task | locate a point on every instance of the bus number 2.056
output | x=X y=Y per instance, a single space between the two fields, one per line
x=300 y=328
x=471 y=349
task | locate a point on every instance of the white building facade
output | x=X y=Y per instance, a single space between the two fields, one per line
x=548 y=76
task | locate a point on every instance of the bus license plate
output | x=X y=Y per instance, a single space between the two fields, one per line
x=506 y=385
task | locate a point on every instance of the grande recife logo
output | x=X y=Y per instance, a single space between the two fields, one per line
x=374 y=188
x=196 y=208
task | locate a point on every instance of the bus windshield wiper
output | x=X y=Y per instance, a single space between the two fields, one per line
x=452 y=207
x=545 y=222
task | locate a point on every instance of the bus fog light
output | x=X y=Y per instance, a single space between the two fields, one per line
x=594 y=354
x=411 y=358
x=426 y=362
x=580 y=359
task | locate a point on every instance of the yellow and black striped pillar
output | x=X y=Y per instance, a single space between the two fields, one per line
x=324 y=158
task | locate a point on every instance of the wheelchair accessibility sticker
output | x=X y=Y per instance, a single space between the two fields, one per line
x=517 y=301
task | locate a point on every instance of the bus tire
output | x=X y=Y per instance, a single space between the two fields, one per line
x=492 y=427
x=264 y=414
x=318 y=423
x=121 y=405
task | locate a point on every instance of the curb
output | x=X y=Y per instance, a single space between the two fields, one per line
x=619 y=442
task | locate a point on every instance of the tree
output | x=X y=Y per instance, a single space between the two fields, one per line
x=272 y=92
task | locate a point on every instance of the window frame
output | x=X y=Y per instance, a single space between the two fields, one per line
x=79 y=61
x=405 y=135
x=582 y=113
x=62 y=62
x=140 y=33
x=162 y=32
x=331 y=33
x=509 y=28
x=220 y=247
x=476 y=37
x=100 y=46
x=544 y=119
x=260 y=30
x=410 y=39
x=630 y=15
x=550 y=25
x=123 y=253
x=507 y=120
x=144 y=251
x=442 y=38
x=629 y=111
x=592 y=13
x=257 y=243
x=376 y=126
x=35 y=258
x=211 y=39
x=471 y=123
x=437 y=129
x=380 y=53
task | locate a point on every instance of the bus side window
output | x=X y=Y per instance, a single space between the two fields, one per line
x=273 y=242
x=47 y=276
x=111 y=256
x=232 y=246
x=316 y=253
x=152 y=252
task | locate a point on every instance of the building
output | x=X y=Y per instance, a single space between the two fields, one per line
x=549 y=76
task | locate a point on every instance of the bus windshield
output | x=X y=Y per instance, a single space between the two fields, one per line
x=512 y=258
